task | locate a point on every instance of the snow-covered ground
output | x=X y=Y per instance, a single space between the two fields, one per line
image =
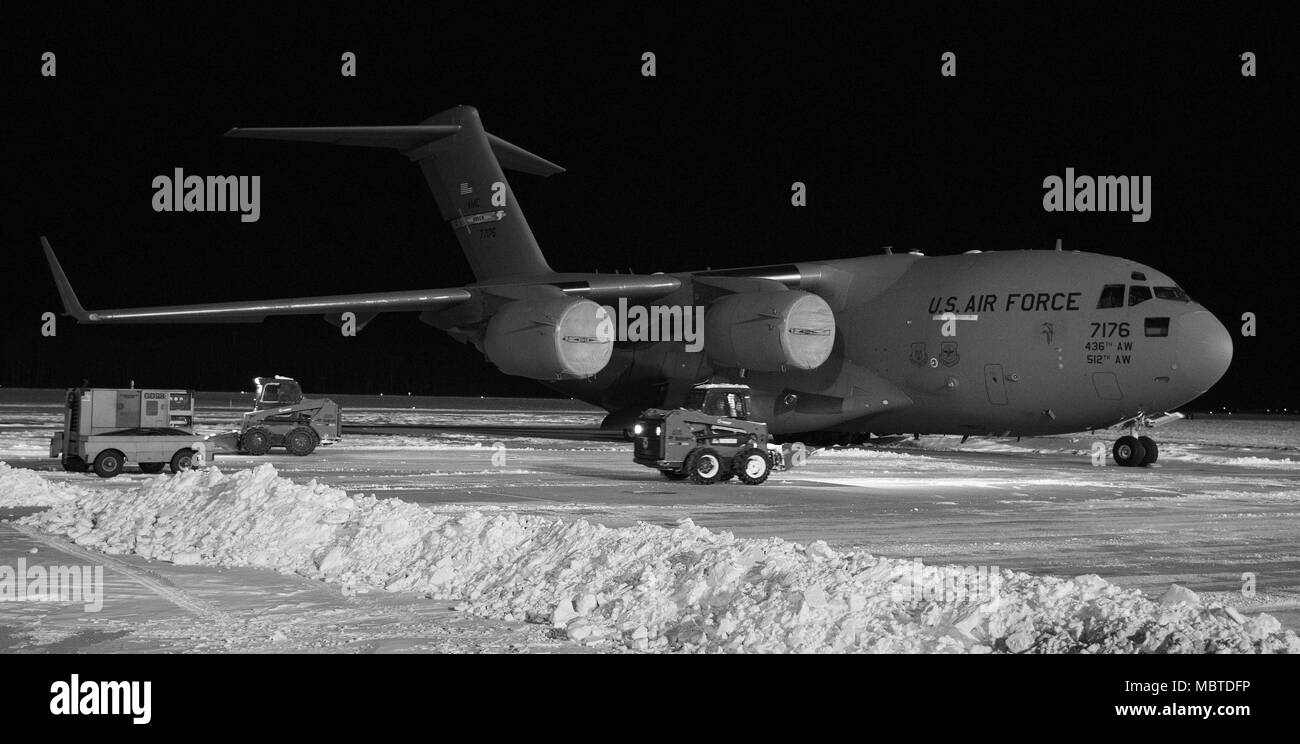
x=526 y=532
x=644 y=587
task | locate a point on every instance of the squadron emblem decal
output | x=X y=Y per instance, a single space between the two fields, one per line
x=948 y=353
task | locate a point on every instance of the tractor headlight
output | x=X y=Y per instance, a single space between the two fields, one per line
x=659 y=430
x=638 y=429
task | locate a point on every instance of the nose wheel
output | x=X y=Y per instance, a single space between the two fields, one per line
x=1130 y=451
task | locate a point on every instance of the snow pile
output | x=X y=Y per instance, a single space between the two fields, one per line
x=21 y=487
x=644 y=587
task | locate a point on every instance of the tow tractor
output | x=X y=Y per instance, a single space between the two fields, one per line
x=710 y=439
x=103 y=429
x=282 y=417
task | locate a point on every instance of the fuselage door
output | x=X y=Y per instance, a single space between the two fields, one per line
x=994 y=384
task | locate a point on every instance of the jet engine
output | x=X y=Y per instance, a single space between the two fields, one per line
x=554 y=339
x=769 y=331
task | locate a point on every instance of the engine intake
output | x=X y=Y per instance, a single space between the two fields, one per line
x=769 y=331
x=556 y=339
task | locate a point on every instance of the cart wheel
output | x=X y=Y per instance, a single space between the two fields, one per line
x=182 y=460
x=152 y=467
x=255 y=442
x=751 y=466
x=109 y=463
x=300 y=442
x=703 y=466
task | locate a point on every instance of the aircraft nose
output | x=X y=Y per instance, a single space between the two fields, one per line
x=1204 y=349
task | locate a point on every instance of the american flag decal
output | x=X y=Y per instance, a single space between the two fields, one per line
x=466 y=189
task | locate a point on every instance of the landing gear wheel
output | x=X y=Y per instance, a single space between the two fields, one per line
x=108 y=463
x=255 y=442
x=182 y=460
x=1129 y=452
x=300 y=441
x=673 y=475
x=703 y=466
x=1153 y=451
x=751 y=466
x=152 y=467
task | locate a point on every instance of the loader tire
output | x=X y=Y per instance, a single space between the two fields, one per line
x=752 y=466
x=255 y=442
x=704 y=466
x=300 y=441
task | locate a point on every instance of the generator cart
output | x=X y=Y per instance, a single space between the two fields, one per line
x=104 y=429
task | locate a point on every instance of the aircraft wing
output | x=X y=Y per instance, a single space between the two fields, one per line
x=253 y=311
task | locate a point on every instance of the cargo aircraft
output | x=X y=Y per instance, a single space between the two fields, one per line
x=994 y=343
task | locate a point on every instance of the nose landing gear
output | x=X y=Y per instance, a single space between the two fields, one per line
x=1137 y=451
x=1130 y=451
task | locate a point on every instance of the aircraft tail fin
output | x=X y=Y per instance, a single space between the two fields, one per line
x=462 y=164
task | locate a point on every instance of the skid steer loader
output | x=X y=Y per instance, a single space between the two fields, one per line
x=710 y=439
x=282 y=417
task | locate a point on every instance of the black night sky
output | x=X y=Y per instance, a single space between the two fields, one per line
x=688 y=169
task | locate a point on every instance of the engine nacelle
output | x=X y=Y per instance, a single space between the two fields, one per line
x=769 y=331
x=555 y=339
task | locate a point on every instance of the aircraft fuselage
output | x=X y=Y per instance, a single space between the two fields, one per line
x=998 y=343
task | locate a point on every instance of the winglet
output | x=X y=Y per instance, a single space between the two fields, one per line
x=71 y=306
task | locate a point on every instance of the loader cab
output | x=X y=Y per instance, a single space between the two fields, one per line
x=275 y=392
x=731 y=401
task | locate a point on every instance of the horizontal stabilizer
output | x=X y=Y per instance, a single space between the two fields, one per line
x=406 y=139
x=402 y=138
x=513 y=157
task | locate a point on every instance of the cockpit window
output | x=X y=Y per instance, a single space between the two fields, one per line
x=1138 y=276
x=1112 y=295
x=1137 y=294
x=1172 y=293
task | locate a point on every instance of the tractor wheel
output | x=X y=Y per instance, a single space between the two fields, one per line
x=673 y=475
x=1153 y=451
x=108 y=463
x=751 y=466
x=300 y=441
x=703 y=466
x=255 y=442
x=182 y=460
x=1128 y=452
x=152 y=467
